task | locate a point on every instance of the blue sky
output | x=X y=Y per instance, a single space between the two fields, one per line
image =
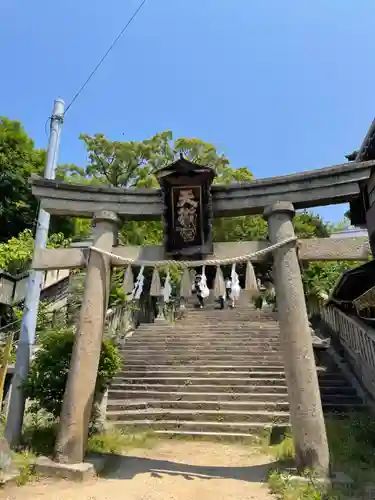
x=278 y=86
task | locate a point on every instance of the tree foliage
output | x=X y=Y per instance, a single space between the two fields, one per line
x=321 y=277
x=133 y=164
x=16 y=254
x=18 y=160
x=121 y=164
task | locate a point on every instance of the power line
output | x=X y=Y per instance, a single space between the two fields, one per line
x=106 y=54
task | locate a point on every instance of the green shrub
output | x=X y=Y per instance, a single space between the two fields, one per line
x=270 y=297
x=258 y=301
x=117 y=440
x=39 y=437
x=48 y=373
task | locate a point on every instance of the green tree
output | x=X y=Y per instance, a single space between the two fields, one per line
x=343 y=225
x=133 y=164
x=18 y=160
x=16 y=253
x=126 y=164
x=321 y=277
x=309 y=225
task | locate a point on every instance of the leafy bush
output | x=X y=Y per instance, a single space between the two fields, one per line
x=258 y=301
x=270 y=297
x=48 y=373
x=116 y=441
x=321 y=277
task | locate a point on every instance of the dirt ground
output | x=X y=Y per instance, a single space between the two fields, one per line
x=172 y=470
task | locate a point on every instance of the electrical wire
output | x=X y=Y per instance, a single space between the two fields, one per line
x=105 y=55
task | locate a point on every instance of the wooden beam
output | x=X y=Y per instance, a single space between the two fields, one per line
x=314 y=249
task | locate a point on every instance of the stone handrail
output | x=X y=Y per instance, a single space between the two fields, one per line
x=119 y=320
x=125 y=317
x=356 y=339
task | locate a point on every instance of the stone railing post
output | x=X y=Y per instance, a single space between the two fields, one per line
x=79 y=392
x=160 y=316
x=308 y=426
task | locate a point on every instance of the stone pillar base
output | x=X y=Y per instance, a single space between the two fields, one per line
x=335 y=479
x=82 y=471
x=8 y=471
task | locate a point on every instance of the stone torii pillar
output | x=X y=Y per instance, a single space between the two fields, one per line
x=306 y=413
x=79 y=392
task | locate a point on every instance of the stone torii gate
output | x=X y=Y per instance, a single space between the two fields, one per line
x=273 y=197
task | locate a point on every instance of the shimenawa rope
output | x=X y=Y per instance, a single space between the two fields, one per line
x=195 y=263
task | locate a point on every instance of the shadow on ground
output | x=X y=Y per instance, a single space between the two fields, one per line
x=127 y=467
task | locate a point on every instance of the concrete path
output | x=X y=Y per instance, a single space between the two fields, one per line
x=172 y=470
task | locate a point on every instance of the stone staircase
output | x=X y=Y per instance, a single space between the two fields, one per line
x=213 y=373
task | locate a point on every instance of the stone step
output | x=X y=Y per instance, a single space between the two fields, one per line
x=200 y=380
x=139 y=370
x=218 y=317
x=214 y=321
x=203 y=357
x=239 y=320
x=126 y=406
x=202 y=333
x=146 y=395
x=202 y=388
x=197 y=363
x=281 y=417
x=202 y=345
x=183 y=372
x=236 y=374
x=202 y=384
x=224 y=428
x=228 y=314
x=213 y=373
x=183 y=375
x=216 y=436
x=194 y=342
x=202 y=351
x=348 y=397
x=248 y=406
x=208 y=347
x=199 y=332
x=210 y=328
x=207 y=322
x=197 y=339
x=212 y=325
x=198 y=377
x=218 y=313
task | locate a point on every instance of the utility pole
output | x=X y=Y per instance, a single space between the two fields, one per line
x=26 y=342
